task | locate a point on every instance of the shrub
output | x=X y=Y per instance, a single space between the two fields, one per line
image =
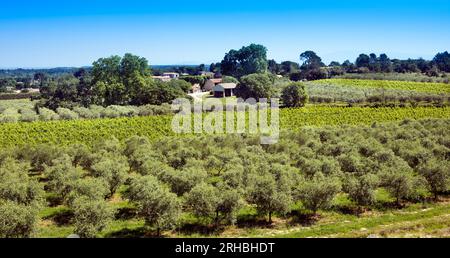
x=96 y=110
x=86 y=113
x=228 y=204
x=66 y=114
x=182 y=181
x=28 y=115
x=110 y=112
x=229 y=79
x=46 y=114
x=255 y=86
x=9 y=115
x=294 y=95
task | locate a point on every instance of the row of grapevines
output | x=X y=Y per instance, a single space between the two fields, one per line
x=398 y=85
x=293 y=119
x=153 y=127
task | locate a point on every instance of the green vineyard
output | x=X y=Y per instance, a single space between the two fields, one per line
x=383 y=84
x=154 y=127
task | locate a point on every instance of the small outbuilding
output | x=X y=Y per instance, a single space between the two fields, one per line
x=210 y=83
x=224 y=90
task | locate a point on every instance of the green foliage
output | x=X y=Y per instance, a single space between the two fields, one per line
x=203 y=200
x=91 y=216
x=88 y=187
x=15 y=185
x=20 y=199
x=229 y=79
x=62 y=176
x=112 y=169
x=230 y=201
x=159 y=207
x=386 y=84
x=17 y=220
x=66 y=114
x=294 y=95
x=46 y=114
x=398 y=180
x=180 y=84
x=437 y=175
x=194 y=79
x=247 y=60
x=318 y=192
x=361 y=189
x=269 y=196
x=255 y=86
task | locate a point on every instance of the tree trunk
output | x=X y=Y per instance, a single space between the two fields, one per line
x=270 y=217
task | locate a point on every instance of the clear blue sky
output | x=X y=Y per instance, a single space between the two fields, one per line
x=75 y=33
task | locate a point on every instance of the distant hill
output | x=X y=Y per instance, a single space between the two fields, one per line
x=22 y=72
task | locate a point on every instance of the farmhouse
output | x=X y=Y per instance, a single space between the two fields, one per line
x=172 y=75
x=224 y=90
x=162 y=78
x=207 y=74
x=209 y=84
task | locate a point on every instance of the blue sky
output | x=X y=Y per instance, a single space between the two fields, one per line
x=75 y=33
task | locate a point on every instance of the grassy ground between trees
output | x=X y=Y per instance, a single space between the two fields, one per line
x=413 y=220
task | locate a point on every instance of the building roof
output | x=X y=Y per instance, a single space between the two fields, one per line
x=162 y=78
x=217 y=80
x=223 y=86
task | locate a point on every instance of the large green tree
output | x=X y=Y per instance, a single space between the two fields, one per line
x=247 y=60
x=255 y=86
x=117 y=80
x=294 y=95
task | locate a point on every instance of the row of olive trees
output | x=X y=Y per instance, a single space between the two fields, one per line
x=213 y=177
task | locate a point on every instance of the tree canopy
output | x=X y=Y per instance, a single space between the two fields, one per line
x=247 y=60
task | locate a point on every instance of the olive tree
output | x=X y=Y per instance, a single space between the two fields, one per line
x=203 y=201
x=318 y=192
x=91 y=216
x=89 y=187
x=268 y=196
x=62 y=175
x=16 y=185
x=17 y=220
x=398 y=181
x=229 y=203
x=114 y=170
x=361 y=188
x=159 y=207
x=437 y=175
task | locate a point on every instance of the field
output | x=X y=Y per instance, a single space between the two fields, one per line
x=383 y=84
x=338 y=170
x=375 y=180
x=91 y=131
